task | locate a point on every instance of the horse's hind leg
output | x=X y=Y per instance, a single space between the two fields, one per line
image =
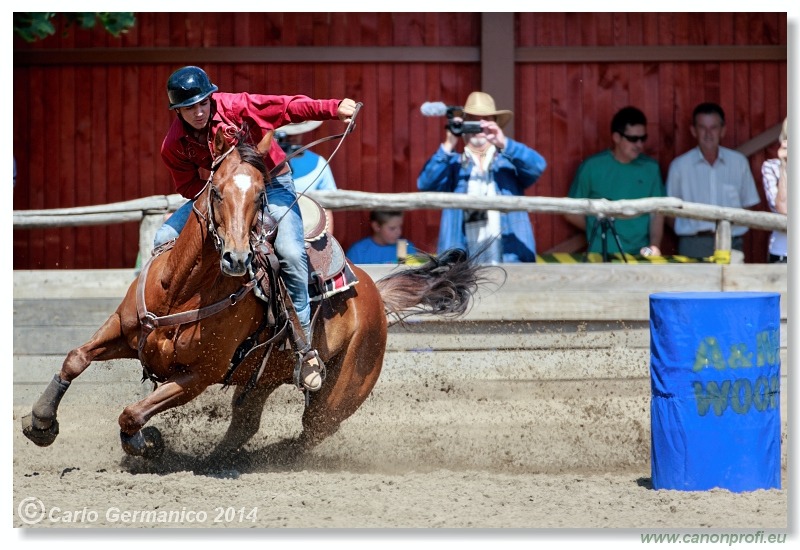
x=357 y=370
x=178 y=390
x=41 y=426
x=245 y=422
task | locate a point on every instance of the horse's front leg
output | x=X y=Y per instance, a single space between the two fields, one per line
x=41 y=426
x=177 y=391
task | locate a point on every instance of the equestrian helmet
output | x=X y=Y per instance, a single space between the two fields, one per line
x=187 y=86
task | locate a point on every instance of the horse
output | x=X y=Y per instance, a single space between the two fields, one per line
x=193 y=305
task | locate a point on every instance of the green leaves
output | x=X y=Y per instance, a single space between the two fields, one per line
x=32 y=26
x=115 y=23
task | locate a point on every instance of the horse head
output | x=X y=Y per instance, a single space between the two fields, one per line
x=236 y=196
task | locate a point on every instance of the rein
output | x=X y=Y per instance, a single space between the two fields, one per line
x=350 y=126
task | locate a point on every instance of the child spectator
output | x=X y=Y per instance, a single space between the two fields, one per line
x=384 y=246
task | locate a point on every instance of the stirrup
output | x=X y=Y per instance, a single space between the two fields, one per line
x=304 y=359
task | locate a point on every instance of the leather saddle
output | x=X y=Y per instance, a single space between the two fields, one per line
x=328 y=269
x=326 y=257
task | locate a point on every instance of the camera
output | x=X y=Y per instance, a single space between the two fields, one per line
x=437 y=108
x=283 y=140
x=457 y=127
x=461 y=127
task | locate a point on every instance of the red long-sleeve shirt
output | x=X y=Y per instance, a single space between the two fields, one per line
x=184 y=155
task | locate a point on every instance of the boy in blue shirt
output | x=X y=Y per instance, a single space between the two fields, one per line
x=385 y=245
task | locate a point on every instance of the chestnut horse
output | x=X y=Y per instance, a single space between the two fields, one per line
x=191 y=308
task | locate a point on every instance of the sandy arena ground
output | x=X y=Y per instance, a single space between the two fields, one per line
x=432 y=453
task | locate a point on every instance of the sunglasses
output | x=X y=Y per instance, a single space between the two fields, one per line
x=634 y=139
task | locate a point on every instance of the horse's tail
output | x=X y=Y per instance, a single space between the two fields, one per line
x=441 y=286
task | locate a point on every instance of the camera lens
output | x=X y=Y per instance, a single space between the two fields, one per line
x=455 y=127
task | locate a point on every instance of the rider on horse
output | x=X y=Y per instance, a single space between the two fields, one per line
x=201 y=110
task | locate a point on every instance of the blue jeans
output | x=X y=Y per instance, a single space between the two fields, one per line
x=289 y=242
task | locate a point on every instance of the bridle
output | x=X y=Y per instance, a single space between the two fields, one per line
x=148 y=320
x=210 y=189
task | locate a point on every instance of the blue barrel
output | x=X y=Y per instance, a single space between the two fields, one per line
x=715 y=390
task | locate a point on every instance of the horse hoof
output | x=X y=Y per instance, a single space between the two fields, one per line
x=41 y=437
x=146 y=443
x=154 y=443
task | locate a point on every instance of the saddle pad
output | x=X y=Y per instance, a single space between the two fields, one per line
x=314 y=221
x=336 y=284
x=326 y=260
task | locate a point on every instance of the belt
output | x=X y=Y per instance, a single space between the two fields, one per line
x=284 y=170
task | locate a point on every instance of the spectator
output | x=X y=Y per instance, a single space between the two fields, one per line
x=775 y=179
x=200 y=111
x=491 y=164
x=384 y=246
x=709 y=174
x=309 y=170
x=621 y=172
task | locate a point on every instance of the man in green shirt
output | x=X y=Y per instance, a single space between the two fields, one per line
x=621 y=172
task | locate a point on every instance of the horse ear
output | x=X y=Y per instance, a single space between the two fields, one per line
x=266 y=142
x=220 y=143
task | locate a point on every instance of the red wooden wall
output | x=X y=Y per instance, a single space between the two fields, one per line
x=572 y=104
x=89 y=133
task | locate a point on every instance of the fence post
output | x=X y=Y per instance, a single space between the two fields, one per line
x=151 y=221
x=723 y=236
x=723 y=244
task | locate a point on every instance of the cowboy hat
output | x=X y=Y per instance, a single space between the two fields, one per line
x=482 y=104
x=296 y=128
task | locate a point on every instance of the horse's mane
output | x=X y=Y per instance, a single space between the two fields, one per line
x=248 y=151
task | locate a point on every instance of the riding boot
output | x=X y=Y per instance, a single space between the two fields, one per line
x=312 y=369
x=309 y=373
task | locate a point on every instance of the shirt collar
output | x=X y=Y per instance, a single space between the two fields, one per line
x=721 y=155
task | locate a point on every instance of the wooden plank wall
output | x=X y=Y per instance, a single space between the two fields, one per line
x=537 y=307
x=90 y=133
x=574 y=103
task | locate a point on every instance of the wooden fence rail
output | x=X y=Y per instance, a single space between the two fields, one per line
x=150 y=210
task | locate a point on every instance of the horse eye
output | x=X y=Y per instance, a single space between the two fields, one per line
x=215 y=193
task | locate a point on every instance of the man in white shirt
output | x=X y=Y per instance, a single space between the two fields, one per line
x=709 y=174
